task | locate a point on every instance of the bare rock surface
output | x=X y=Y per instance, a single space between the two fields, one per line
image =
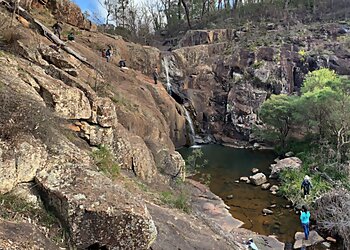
x=314 y=238
x=20 y=161
x=23 y=236
x=95 y=209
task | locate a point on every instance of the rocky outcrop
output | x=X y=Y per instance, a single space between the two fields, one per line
x=314 y=238
x=96 y=211
x=287 y=163
x=233 y=72
x=23 y=236
x=65 y=11
x=20 y=161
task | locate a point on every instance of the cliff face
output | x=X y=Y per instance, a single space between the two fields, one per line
x=227 y=74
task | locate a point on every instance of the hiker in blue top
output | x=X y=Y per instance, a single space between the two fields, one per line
x=305 y=220
x=306 y=185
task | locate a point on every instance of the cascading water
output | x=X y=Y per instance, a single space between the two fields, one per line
x=192 y=132
x=166 y=67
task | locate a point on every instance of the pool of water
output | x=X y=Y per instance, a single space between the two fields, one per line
x=226 y=165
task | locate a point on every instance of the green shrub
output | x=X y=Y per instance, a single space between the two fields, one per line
x=176 y=200
x=104 y=160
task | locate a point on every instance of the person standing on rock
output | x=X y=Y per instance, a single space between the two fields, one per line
x=109 y=53
x=155 y=75
x=251 y=244
x=305 y=221
x=306 y=185
x=57 y=29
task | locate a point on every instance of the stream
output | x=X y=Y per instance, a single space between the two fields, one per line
x=225 y=166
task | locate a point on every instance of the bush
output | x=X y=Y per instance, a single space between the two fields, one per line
x=177 y=200
x=333 y=213
x=104 y=160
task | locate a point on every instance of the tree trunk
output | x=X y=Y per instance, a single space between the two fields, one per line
x=187 y=13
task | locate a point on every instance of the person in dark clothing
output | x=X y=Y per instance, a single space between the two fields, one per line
x=57 y=29
x=122 y=63
x=155 y=75
x=71 y=36
x=306 y=185
x=109 y=53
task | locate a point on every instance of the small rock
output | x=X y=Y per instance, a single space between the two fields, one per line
x=289 y=154
x=287 y=206
x=326 y=244
x=229 y=197
x=258 y=179
x=273 y=206
x=273 y=192
x=255 y=170
x=245 y=179
x=274 y=188
x=256 y=145
x=265 y=186
x=271 y=26
x=237 y=181
x=267 y=211
x=331 y=239
x=248 y=181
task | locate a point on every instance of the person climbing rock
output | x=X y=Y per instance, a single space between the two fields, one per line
x=71 y=36
x=251 y=245
x=109 y=53
x=306 y=185
x=122 y=63
x=305 y=221
x=57 y=29
x=155 y=75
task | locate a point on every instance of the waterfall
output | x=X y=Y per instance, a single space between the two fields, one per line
x=166 y=67
x=192 y=132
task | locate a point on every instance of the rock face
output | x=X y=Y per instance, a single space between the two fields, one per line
x=23 y=236
x=287 y=163
x=258 y=179
x=229 y=80
x=88 y=203
x=21 y=161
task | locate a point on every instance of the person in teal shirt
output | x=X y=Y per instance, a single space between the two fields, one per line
x=305 y=221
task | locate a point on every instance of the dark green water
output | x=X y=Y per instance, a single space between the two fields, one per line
x=226 y=165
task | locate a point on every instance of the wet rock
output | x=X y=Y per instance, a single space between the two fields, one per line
x=267 y=211
x=314 y=238
x=245 y=179
x=274 y=188
x=331 y=239
x=287 y=163
x=255 y=170
x=265 y=186
x=229 y=197
x=95 y=210
x=258 y=179
x=273 y=206
x=256 y=145
x=326 y=244
x=22 y=235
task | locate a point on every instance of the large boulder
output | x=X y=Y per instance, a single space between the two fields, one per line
x=96 y=211
x=20 y=160
x=287 y=163
x=258 y=179
x=314 y=238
